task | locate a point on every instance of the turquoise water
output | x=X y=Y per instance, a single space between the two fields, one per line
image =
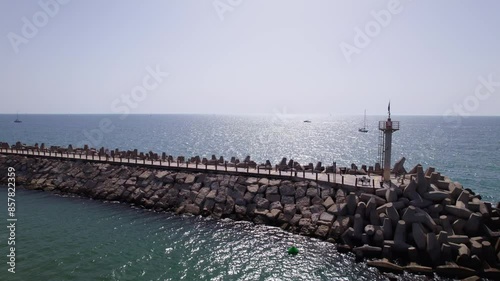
x=81 y=239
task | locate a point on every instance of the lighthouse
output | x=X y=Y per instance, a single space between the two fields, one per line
x=386 y=128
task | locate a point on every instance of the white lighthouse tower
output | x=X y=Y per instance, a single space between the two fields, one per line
x=385 y=146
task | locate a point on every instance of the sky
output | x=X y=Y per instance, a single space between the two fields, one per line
x=250 y=57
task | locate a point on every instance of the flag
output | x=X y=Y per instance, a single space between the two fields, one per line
x=389 y=107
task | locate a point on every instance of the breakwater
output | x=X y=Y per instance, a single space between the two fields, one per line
x=427 y=223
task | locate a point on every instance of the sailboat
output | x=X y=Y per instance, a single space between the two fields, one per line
x=17 y=119
x=363 y=130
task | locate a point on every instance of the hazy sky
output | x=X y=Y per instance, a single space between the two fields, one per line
x=250 y=56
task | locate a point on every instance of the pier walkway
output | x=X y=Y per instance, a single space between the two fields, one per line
x=347 y=180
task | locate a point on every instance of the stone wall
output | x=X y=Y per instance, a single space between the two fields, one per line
x=428 y=223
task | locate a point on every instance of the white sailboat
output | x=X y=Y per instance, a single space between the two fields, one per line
x=363 y=130
x=17 y=119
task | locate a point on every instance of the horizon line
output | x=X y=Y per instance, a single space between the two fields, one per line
x=246 y=114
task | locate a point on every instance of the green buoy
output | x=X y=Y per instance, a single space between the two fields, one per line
x=293 y=250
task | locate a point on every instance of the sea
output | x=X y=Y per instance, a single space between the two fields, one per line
x=74 y=238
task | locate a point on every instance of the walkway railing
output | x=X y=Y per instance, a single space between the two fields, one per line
x=336 y=178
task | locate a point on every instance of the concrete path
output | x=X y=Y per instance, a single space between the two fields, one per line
x=347 y=180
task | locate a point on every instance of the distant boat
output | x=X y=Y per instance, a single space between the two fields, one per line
x=363 y=130
x=17 y=119
x=307 y=121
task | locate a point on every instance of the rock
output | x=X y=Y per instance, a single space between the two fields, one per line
x=392 y=214
x=328 y=202
x=300 y=191
x=419 y=236
x=442 y=237
x=338 y=209
x=458 y=239
x=311 y=192
x=254 y=188
x=472 y=225
x=352 y=202
x=287 y=190
x=435 y=210
x=160 y=175
x=273 y=197
x=446 y=252
x=361 y=209
x=275 y=182
x=452 y=270
x=303 y=202
x=192 y=209
x=211 y=194
x=455 y=190
x=261 y=212
x=490 y=272
x=436 y=196
x=458 y=212
x=273 y=214
x=369 y=229
x=287 y=200
x=365 y=197
x=463 y=199
x=387 y=229
x=424 y=218
x=358 y=226
x=380 y=192
x=272 y=190
x=463 y=257
x=249 y=197
x=378 y=238
x=433 y=248
x=472 y=278
x=289 y=210
x=367 y=251
x=239 y=201
x=131 y=182
x=145 y=175
x=423 y=203
x=340 y=225
x=399 y=166
x=317 y=209
x=276 y=205
x=418 y=269
x=295 y=220
x=340 y=196
x=322 y=231
x=458 y=226
x=400 y=232
x=251 y=181
x=385 y=266
x=445 y=223
x=489 y=252
x=411 y=188
x=326 y=218
x=391 y=195
x=305 y=222
x=409 y=215
x=262 y=203
x=316 y=200
x=347 y=237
